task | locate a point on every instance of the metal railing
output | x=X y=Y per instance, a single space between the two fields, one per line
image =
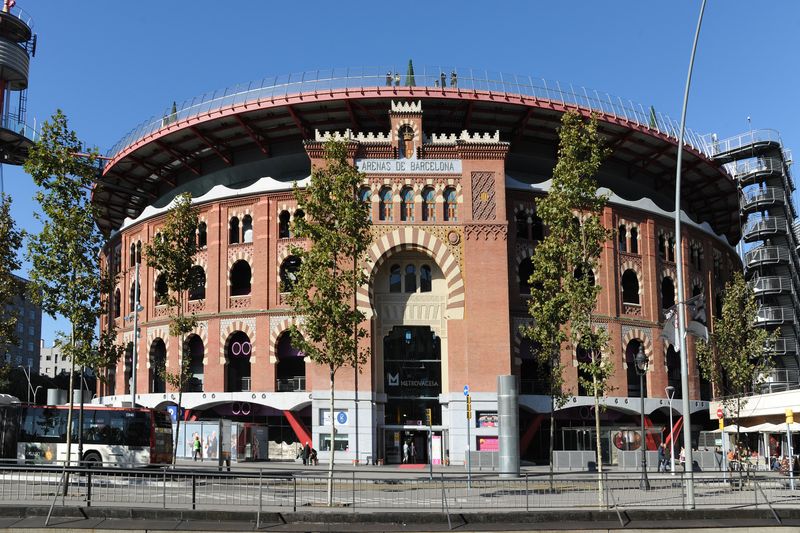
x=245 y=384
x=721 y=146
x=745 y=168
x=758 y=225
x=296 y=383
x=756 y=196
x=766 y=254
x=12 y=122
x=425 y=79
x=774 y=315
x=260 y=491
x=21 y=14
x=770 y=284
x=783 y=345
x=783 y=375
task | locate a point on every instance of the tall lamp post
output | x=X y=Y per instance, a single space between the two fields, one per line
x=670 y=390
x=641 y=367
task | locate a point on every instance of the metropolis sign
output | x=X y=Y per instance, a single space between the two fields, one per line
x=409 y=166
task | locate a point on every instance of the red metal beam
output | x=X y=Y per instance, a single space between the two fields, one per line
x=253 y=135
x=299 y=123
x=177 y=155
x=208 y=142
x=303 y=435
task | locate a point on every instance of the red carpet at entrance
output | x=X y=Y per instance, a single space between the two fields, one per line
x=412 y=466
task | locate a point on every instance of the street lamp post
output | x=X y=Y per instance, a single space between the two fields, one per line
x=642 y=361
x=670 y=390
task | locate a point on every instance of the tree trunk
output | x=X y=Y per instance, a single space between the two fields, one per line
x=80 y=418
x=70 y=399
x=597 y=443
x=180 y=399
x=333 y=445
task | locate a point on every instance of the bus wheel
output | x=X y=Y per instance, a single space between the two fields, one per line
x=91 y=459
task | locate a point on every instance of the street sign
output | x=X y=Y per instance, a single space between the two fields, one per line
x=720 y=413
x=466 y=390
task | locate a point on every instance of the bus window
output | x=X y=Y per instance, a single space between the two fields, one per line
x=96 y=427
x=44 y=425
x=137 y=430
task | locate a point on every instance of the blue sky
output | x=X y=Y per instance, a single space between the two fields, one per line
x=112 y=64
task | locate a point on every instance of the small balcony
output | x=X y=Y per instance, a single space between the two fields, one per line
x=766 y=255
x=774 y=316
x=770 y=285
x=782 y=346
x=758 y=198
x=292 y=384
x=758 y=228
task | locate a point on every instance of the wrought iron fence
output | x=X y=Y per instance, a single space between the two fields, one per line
x=270 y=490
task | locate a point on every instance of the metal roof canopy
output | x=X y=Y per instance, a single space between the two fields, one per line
x=184 y=150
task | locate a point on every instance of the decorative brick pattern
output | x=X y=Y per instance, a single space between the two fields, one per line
x=230 y=326
x=486 y=232
x=484 y=205
x=645 y=336
x=413 y=238
x=278 y=326
x=239 y=302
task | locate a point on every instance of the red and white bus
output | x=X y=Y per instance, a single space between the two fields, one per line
x=115 y=436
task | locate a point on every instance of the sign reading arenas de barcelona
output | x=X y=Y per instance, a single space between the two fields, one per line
x=451 y=179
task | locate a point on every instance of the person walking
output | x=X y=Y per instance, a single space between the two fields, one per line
x=682 y=458
x=662 y=458
x=197 y=448
x=405 y=451
x=413 y=453
x=306 y=453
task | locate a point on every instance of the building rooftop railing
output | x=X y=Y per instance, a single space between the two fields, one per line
x=11 y=122
x=721 y=146
x=21 y=14
x=461 y=79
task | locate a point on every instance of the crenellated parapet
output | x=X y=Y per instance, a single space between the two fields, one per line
x=464 y=136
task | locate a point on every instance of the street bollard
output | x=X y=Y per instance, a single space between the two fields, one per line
x=194 y=492
x=294 y=482
x=89 y=488
x=354 y=491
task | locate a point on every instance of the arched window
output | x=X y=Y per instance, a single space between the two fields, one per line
x=139 y=252
x=537 y=228
x=290 y=370
x=240 y=278
x=662 y=247
x=634 y=388
x=411 y=278
x=202 y=235
x=634 y=241
x=385 y=205
x=630 y=287
x=289 y=269
x=117 y=297
x=667 y=293
x=247 y=229
x=671 y=249
x=298 y=214
x=578 y=274
x=428 y=204
x=450 y=208
x=198 y=281
x=237 y=358
x=133 y=299
x=233 y=231
x=394 y=279
x=407 y=205
x=158 y=361
x=161 y=289
x=521 y=221
x=365 y=196
x=622 y=238
x=525 y=271
x=425 y=278
x=133 y=255
x=196 y=351
x=283 y=225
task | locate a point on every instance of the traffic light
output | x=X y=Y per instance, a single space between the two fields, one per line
x=428 y=417
x=469 y=407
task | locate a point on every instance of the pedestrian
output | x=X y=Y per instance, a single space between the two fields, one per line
x=306 y=453
x=405 y=452
x=389 y=79
x=197 y=448
x=453 y=79
x=682 y=458
x=413 y=452
x=662 y=458
x=444 y=79
x=396 y=79
x=312 y=459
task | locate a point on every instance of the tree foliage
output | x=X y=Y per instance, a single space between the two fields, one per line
x=734 y=359
x=64 y=255
x=337 y=227
x=171 y=254
x=10 y=285
x=563 y=291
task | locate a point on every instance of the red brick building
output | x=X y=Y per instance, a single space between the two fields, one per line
x=452 y=177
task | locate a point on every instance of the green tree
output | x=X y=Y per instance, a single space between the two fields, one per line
x=64 y=255
x=563 y=289
x=338 y=227
x=10 y=285
x=734 y=359
x=171 y=254
x=410 y=81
